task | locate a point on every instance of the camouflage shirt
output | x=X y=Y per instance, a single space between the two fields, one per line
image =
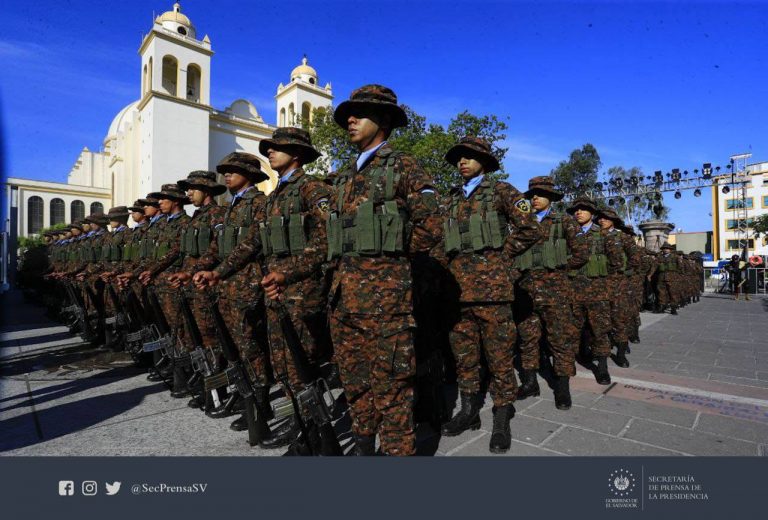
x=168 y=249
x=596 y=289
x=382 y=284
x=199 y=232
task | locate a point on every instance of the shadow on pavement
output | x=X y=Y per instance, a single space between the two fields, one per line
x=70 y=417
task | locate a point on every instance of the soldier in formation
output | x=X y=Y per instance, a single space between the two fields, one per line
x=331 y=264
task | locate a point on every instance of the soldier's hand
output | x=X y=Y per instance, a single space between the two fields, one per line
x=273 y=284
x=145 y=277
x=80 y=277
x=178 y=279
x=205 y=279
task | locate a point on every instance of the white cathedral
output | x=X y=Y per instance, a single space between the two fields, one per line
x=170 y=130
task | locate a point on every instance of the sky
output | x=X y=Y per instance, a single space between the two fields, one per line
x=658 y=85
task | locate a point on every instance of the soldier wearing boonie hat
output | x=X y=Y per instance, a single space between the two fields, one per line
x=592 y=308
x=232 y=267
x=196 y=236
x=486 y=223
x=294 y=245
x=547 y=305
x=376 y=199
x=622 y=307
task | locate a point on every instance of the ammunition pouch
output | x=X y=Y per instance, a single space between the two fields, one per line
x=229 y=238
x=552 y=254
x=485 y=229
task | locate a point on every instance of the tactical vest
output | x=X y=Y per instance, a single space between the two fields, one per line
x=195 y=241
x=547 y=255
x=485 y=229
x=284 y=234
x=230 y=235
x=668 y=265
x=378 y=227
x=597 y=265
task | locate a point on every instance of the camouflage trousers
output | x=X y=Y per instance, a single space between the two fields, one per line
x=554 y=322
x=490 y=327
x=666 y=291
x=621 y=308
x=377 y=364
x=593 y=319
x=312 y=329
x=245 y=323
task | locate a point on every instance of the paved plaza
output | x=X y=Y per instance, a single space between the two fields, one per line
x=697 y=385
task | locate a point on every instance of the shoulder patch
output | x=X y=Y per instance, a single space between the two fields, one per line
x=523 y=205
x=323 y=205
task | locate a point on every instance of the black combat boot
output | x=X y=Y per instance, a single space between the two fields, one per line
x=563 y=393
x=283 y=436
x=227 y=408
x=197 y=401
x=634 y=337
x=601 y=372
x=673 y=309
x=179 y=384
x=501 y=436
x=529 y=386
x=365 y=446
x=621 y=355
x=468 y=417
x=658 y=309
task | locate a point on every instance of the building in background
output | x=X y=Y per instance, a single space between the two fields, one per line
x=725 y=222
x=170 y=130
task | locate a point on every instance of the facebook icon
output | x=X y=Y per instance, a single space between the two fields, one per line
x=66 y=488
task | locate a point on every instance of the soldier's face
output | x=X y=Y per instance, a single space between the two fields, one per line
x=583 y=216
x=196 y=196
x=114 y=224
x=469 y=168
x=166 y=205
x=278 y=160
x=235 y=181
x=75 y=232
x=540 y=202
x=362 y=130
x=137 y=216
x=150 y=211
x=605 y=223
x=68 y=234
x=86 y=228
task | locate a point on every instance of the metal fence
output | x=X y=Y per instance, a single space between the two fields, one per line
x=755 y=280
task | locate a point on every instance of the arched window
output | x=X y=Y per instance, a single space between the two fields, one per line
x=34 y=215
x=306 y=113
x=170 y=74
x=149 y=76
x=77 y=210
x=282 y=117
x=193 y=83
x=57 y=212
x=291 y=115
x=144 y=81
x=97 y=208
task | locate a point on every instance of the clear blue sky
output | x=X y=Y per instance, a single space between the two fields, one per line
x=655 y=85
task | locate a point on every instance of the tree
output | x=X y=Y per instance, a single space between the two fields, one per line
x=428 y=143
x=760 y=225
x=578 y=172
x=635 y=210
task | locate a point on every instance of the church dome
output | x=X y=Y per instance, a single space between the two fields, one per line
x=305 y=72
x=176 y=21
x=120 y=118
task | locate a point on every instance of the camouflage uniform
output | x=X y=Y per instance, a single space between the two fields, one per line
x=546 y=282
x=483 y=277
x=381 y=213
x=668 y=265
x=236 y=252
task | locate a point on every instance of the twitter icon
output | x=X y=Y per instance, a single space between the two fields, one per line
x=112 y=489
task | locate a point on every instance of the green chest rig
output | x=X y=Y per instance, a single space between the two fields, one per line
x=195 y=239
x=284 y=234
x=551 y=254
x=597 y=266
x=485 y=229
x=230 y=234
x=668 y=265
x=379 y=225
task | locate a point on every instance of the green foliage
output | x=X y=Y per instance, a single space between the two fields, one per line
x=760 y=225
x=636 y=211
x=579 y=171
x=428 y=143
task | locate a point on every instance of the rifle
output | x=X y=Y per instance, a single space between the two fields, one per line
x=161 y=330
x=317 y=434
x=198 y=356
x=121 y=318
x=140 y=331
x=237 y=374
x=78 y=309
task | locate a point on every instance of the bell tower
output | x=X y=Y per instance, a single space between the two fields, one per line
x=297 y=99
x=174 y=109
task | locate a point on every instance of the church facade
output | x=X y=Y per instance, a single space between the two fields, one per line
x=170 y=130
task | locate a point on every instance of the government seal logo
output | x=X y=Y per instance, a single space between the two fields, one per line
x=621 y=482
